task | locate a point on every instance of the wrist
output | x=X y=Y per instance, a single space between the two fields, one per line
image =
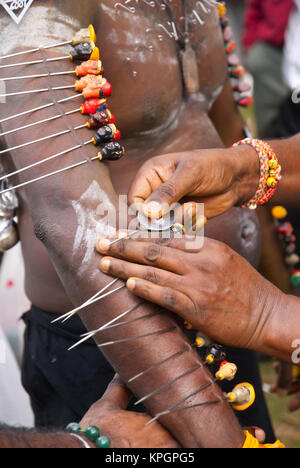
x=283 y=331
x=246 y=172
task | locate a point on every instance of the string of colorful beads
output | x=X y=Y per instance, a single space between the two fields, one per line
x=286 y=233
x=95 y=88
x=92 y=433
x=270 y=172
x=236 y=71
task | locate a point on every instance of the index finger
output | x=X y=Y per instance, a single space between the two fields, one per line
x=148 y=179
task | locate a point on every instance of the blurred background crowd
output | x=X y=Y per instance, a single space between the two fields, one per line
x=268 y=41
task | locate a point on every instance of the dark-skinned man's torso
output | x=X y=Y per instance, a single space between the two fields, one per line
x=155 y=114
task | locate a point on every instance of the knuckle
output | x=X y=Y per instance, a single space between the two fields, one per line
x=169 y=297
x=152 y=252
x=121 y=247
x=151 y=275
x=168 y=189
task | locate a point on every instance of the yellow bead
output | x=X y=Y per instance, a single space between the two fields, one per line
x=230 y=397
x=273 y=164
x=199 y=342
x=279 y=212
x=271 y=182
x=210 y=359
x=222 y=10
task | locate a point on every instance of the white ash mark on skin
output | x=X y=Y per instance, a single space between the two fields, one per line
x=49 y=24
x=96 y=217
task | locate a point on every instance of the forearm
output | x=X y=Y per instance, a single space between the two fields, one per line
x=192 y=428
x=22 y=438
x=282 y=331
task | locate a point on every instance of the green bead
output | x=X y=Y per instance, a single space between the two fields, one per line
x=103 y=442
x=295 y=281
x=73 y=427
x=92 y=433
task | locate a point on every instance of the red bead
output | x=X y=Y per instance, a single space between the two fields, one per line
x=117 y=135
x=230 y=47
x=223 y=363
x=91 y=105
x=245 y=101
x=107 y=89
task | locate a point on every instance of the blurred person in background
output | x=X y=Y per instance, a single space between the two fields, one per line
x=265 y=28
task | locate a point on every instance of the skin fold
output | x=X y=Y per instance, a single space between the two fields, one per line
x=155 y=116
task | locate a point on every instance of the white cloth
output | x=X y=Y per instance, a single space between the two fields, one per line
x=291 y=61
x=14 y=403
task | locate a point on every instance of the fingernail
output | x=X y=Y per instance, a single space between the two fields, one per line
x=105 y=265
x=152 y=209
x=131 y=284
x=103 y=245
x=201 y=221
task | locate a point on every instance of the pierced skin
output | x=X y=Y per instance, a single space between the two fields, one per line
x=155 y=118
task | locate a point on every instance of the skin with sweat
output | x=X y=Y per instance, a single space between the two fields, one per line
x=155 y=116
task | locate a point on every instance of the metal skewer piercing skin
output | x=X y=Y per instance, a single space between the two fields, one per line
x=83 y=35
x=81 y=52
x=91 y=67
x=97 y=120
x=111 y=152
x=90 y=106
x=91 y=86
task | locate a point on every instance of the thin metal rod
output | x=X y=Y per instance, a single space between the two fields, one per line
x=163 y=413
x=116 y=325
x=30 y=51
x=158 y=364
x=163 y=387
x=95 y=332
x=96 y=300
x=34 y=91
x=127 y=322
x=39 y=122
x=35 y=62
x=204 y=403
x=123 y=237
x=41 y=75
x=39 y=140
x=59 y=171
x=41 y=107
x=61 y=317
x=127 y=340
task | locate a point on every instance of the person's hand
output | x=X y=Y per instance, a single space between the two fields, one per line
x=220 y=178
x=125 y=429
x=213 y=288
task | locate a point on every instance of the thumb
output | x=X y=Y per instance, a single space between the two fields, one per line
x=168 y=193
x=117 y=395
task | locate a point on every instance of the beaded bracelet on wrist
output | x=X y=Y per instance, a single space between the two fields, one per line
x=92 y=433
x=270 y=172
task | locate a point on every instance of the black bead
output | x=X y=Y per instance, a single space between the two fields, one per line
x=104 y=135
x=82 y=51
x=112 y=152
x=218 y=353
